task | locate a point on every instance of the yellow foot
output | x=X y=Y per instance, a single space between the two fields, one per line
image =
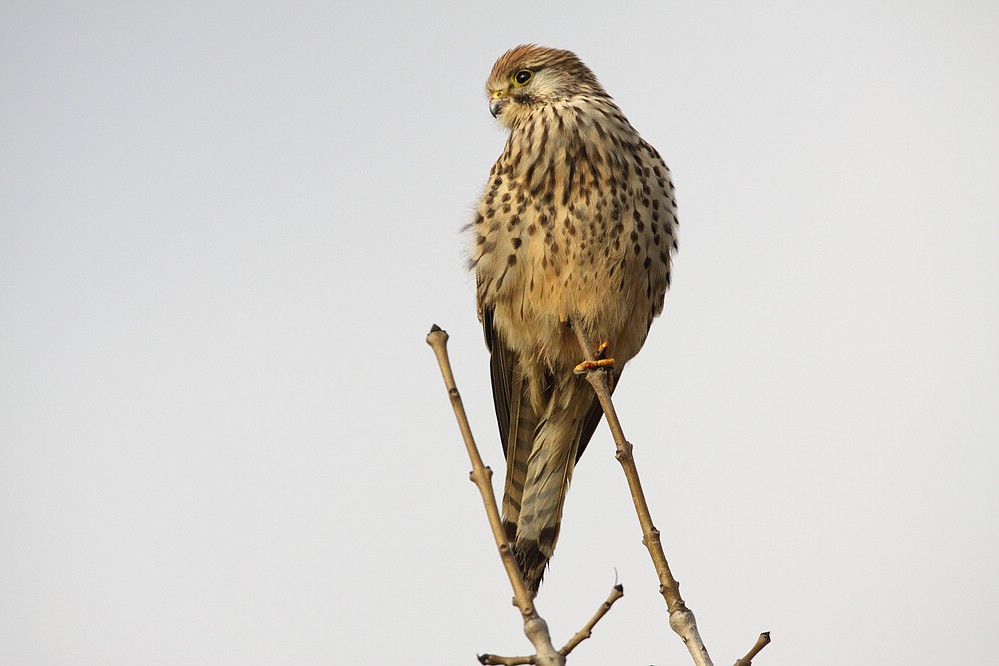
x=586 y=366
x=601 y=360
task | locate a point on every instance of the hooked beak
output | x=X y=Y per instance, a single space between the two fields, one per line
x=496 y=104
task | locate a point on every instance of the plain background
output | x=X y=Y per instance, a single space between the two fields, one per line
x=226 y=228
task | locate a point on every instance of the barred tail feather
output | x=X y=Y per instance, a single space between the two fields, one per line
x=520 y=440
x=549 y=473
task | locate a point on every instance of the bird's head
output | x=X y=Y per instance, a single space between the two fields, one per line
x=528 y=76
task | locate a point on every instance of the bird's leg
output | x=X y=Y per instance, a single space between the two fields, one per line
x=599 y=359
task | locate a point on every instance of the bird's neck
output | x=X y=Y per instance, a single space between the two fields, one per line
x=568 y=144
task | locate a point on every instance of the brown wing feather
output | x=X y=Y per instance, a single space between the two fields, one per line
x=502 y=362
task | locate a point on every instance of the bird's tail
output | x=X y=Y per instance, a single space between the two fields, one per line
x=547 y=478
x=523 y=425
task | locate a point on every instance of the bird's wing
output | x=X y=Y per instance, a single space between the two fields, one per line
x=502 y=361
x=515 y=415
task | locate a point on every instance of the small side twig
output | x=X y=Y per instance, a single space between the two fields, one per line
x=761 y=643
x=616 y=593
x=535 y=628
x=491 y=659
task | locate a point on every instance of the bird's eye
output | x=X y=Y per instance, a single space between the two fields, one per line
x=522 y=77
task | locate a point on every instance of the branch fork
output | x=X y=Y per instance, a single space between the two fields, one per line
x=681 y=619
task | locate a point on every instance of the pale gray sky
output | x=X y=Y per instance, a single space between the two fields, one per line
x=225 y=229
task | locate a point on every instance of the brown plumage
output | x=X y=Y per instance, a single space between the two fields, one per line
x=576 y=228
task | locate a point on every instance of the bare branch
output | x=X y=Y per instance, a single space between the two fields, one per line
x=535 y=628
x=616 y=593
x=506 y=661
x=681 y=619
x=761 y=643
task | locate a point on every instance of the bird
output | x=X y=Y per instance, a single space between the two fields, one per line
x=576 y=227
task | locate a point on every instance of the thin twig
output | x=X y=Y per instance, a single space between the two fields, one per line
x=616 y=593
x=492 y=659
x=761 y=643
x=681 y=619
x=535 y=627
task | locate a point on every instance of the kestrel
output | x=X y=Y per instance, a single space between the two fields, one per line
x=575 y=229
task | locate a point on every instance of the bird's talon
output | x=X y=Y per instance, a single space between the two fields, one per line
x=586 y=366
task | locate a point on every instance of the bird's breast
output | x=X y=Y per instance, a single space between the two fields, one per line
x=568 y=230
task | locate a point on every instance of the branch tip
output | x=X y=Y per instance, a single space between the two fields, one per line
x=761 y=643
x=436 y=334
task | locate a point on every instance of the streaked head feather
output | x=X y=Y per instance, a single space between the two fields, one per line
x=556 y=76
